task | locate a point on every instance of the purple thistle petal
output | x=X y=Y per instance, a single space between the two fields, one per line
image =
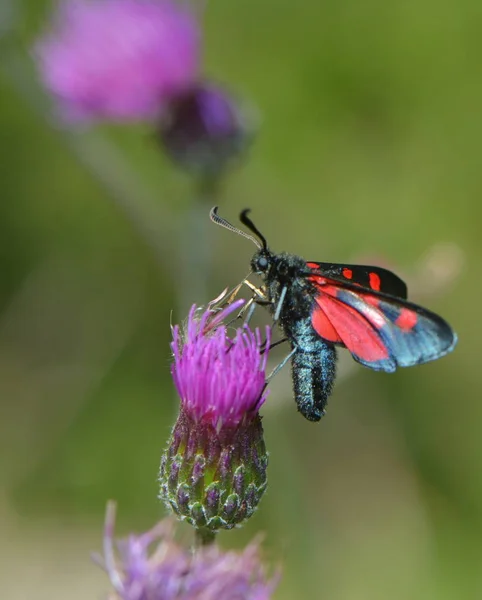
x=152 y=566
x=220 y=379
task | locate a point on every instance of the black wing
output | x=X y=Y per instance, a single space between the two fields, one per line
x=371 y=278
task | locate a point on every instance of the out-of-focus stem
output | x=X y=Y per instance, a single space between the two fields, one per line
x=204 y=537
x=104 y=161
x=195 y=246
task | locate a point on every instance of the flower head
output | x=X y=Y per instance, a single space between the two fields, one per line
x=119 y=59
x=205 y=129
x=213 y=471
x=153 y=566
x=220 y=379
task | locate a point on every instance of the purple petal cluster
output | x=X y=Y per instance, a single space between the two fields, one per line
x=220 y=379
x=152 y=566
x=120 y=59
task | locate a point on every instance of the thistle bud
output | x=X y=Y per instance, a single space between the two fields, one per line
x=205 y=129
x=213 y=471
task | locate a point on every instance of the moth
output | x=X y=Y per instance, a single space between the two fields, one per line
x=322 y=306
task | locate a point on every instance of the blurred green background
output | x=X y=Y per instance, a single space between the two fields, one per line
x=370 y=148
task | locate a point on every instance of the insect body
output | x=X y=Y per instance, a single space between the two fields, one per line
x=320 y=306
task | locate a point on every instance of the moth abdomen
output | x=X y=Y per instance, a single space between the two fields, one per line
x=313 y=372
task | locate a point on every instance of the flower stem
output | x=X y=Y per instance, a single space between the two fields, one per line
x=204 y=537
x=195 y=247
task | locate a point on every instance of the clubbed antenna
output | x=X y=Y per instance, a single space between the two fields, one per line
x=215 y=218
x=245 y=220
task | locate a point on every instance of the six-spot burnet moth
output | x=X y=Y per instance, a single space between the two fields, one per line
x=320 y=306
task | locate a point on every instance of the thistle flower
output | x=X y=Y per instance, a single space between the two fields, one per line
x=119 y=59
x=205 y=129
x=213 y=471
x=153 y=566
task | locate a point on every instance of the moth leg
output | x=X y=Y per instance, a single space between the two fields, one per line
x=273 y=345
x=278 y=368
x=249 y=305
x=234 y=293
x=258 y=298
x=279 y=306
x=259 y=292
x=250 y=308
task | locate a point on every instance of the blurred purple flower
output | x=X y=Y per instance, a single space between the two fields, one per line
x=220 y=379
x=205 y=129
x=213 y=471
x=152 y=566
x=119 y=59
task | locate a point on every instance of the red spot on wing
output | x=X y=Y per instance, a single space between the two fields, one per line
x=312 y=265
x=348 y=273
x=354 y=330
x=407 y=319
x=374 y=281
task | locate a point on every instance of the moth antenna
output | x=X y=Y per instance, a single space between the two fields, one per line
x=245 y=220
x=215 y=218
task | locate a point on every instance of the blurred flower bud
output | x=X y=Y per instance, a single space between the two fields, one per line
x=119 y=59
x=213 y=472
x=205 y=129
